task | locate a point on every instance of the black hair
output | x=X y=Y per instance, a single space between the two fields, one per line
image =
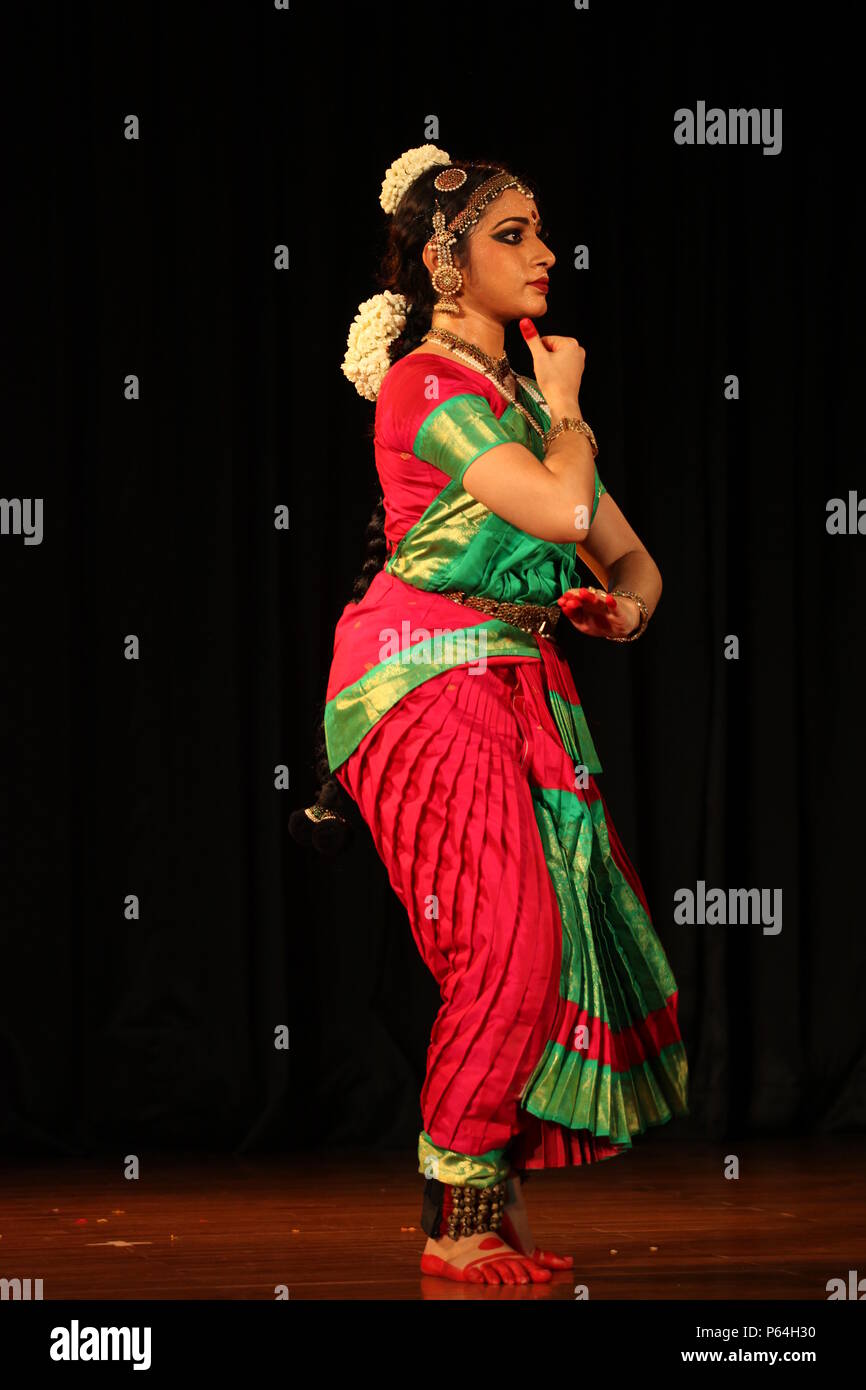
x=402 y=270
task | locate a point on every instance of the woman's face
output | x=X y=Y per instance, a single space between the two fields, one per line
x=505 y=256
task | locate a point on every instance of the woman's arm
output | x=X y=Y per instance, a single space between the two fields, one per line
x=550 y=500
x=619 y=559
x=443 y=413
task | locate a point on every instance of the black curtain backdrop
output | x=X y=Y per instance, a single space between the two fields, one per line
x=155 y=257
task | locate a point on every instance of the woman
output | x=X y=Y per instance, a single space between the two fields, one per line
x=452 y=721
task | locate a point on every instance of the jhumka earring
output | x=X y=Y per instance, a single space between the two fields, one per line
x=447 y=279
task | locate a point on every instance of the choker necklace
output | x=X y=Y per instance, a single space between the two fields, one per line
x=498 y=366
x=496 y=369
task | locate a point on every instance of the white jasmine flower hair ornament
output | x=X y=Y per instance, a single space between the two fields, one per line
x=382 y=318
x=375 y=326
x=406 y=170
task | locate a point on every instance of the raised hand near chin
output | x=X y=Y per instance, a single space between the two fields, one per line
x=598 y=614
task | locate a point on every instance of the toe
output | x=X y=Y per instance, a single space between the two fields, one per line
x=550 y=1260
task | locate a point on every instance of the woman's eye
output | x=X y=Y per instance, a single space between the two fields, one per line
x=516 y=232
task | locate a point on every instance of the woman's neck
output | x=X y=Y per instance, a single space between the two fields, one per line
x=487 y=334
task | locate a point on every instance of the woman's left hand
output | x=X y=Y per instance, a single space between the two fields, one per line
x=599 y=614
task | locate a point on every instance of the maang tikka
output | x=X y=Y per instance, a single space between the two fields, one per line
x=447 y=278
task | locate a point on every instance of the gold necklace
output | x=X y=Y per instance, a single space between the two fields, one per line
x=475 y=356
x=499 y=366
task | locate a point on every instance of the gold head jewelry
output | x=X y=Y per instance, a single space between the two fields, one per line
x=447 y=278
x=450 y=179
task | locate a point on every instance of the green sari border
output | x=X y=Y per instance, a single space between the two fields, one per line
x=350 y=714
x=462 y=1170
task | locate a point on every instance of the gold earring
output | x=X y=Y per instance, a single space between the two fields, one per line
x=447 y=279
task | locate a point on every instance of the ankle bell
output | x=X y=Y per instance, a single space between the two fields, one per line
x=471 y=1210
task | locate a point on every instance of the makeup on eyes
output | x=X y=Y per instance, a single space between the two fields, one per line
x=510 y=230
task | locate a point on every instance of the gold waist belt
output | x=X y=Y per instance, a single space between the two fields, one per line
x=531 y=617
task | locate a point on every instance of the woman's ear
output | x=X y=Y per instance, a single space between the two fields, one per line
x=430 y=257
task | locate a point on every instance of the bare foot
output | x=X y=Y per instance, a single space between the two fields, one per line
x=483 y=1258
x=515 y=1229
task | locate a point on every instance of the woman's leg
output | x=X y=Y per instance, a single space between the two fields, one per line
x=441 y=782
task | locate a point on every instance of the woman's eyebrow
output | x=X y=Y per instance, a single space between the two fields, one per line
x=515 y=219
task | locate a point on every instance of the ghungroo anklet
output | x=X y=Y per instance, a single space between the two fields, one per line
x=462 y=1211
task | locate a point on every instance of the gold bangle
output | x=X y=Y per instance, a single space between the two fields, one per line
x=644 y=616
x=571 y=422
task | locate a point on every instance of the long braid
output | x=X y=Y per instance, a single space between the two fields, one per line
x=403 y=271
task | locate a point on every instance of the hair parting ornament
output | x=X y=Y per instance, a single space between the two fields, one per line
x=382 y=318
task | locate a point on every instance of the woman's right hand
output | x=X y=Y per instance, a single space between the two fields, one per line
x=558 y=366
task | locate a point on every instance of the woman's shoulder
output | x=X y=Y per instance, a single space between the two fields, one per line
x=421 y=363
x=418 y=383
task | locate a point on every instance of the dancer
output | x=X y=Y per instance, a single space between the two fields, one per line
x=452 y=721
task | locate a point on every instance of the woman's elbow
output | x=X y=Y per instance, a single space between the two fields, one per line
x=561 y=532
x=575 y=528
x=573 y=520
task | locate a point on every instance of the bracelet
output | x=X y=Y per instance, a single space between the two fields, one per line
x=644 y=616
x=571 y=422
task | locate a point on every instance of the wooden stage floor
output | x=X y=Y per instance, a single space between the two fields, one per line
x=660 y=1222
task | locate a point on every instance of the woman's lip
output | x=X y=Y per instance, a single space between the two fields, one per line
x=540 y=284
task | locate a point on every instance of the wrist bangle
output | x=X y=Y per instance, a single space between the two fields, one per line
x=571 y=422
x=644 y=616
